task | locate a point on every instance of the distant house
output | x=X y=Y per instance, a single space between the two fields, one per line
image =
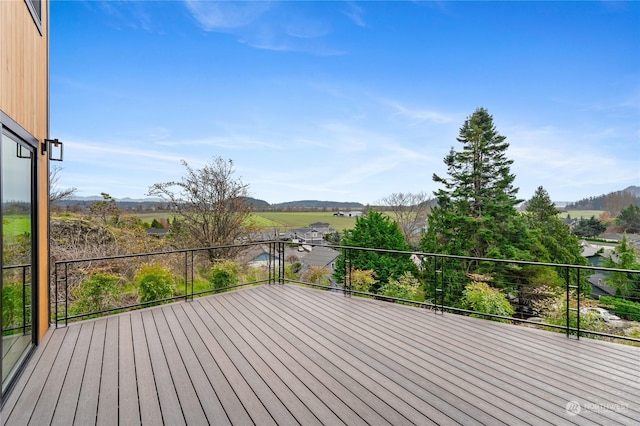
x=312 y=234
x=158 y=232
x=323 y=257
x=338 y=214
x=598 y=286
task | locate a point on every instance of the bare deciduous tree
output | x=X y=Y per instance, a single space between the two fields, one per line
x=211 y=205
x=409 y=210
x=55 y=192
x=617 y=201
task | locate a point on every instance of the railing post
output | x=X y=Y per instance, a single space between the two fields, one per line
x=281 y=261
x=568 y=288
x=578 y=302
x=438 y=292
x=186 y=276
x=66 y=294
x=346 y=269
x=192 y=273
x=270 y=260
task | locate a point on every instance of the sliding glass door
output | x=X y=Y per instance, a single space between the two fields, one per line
x=17 y=212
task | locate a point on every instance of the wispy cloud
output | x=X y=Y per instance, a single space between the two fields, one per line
x=419 y=115
x=225 y=15
x=355 y=13
x=266 y=25
x=565 y=162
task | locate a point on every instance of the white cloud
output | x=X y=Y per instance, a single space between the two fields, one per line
x=417 y=115
x=355 y=13
x=226 y=15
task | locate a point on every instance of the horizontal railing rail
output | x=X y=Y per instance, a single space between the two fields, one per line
x=547 y=295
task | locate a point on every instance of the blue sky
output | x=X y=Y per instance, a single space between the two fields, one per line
x=344 y=101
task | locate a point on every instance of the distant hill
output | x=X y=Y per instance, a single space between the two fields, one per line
x=598 y=202
x=154 y=203
x=316 y=204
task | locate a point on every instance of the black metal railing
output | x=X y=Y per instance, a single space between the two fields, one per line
x=546 y=295
x=83 y=288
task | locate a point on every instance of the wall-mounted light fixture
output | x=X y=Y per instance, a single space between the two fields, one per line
x=54 y=147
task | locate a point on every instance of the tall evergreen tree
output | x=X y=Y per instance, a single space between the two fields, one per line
x=476 y=213
x=557 y=244
x=375 y=230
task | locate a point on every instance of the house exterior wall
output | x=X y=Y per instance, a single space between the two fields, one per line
x=24 y=104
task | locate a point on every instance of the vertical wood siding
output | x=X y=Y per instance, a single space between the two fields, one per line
x=24 y=70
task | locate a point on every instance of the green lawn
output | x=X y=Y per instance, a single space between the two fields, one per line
x=577 y=214
x=17 y=224
x=287 y=220
x=281 y=220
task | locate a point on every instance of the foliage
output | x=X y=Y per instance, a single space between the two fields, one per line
x=375 y=230
x=363 y=280
x=629 y=219
x=333 y=238
x=106 y=209
x=99 y=292
x=291 y=270
x=224 y=273
x=624 y=256
x=154 y=282
x=211 y=205
x=557 y=245
x=254 y=274
x=623 y=308
x=478 y=296
x=12 y=305
x=155 y=224
x=406 y=287
x=555 y=312
x=476 y=213
x=591 y=227
x=316 y=275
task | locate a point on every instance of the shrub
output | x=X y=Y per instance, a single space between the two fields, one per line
x=316 y=275
x=99 y=292
x=406 y=287
x=12 y=305
x=223 y=274
x=480 y=297
x=155 y=224
x=623 y=308
x=291 y=271
x=154 y=282
x=363 y=280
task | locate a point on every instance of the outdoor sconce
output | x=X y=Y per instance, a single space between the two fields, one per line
x=54 y=148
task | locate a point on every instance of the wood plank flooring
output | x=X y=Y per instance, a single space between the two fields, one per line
x=291 y=355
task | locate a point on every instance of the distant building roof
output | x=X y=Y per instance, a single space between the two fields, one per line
x=321 y=256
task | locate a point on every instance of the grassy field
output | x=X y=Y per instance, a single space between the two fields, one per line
x=577 y=214
x=13 y=225
x=279 y=220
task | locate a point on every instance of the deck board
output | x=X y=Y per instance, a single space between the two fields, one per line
x=292 y=355
x=90 y=388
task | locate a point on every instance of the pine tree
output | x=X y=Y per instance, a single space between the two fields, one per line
x=476 y=213
x=557 y=243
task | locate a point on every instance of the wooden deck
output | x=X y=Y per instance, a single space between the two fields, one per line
x=291 y=355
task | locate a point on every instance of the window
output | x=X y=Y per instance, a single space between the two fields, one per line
x=35 y=7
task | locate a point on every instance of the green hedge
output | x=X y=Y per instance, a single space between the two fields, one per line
x=623 y=308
